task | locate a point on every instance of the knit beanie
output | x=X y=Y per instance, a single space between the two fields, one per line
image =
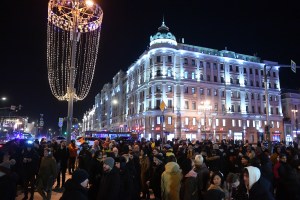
x=109 y=161
x=80 y=175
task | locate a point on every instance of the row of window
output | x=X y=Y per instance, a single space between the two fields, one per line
x=208 y=65
x=210 y=92
x=218 y=122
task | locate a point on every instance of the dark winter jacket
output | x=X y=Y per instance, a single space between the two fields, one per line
x=74 y=191
x=189 y=187
x=109 y=185
x=214 y=193
x=155 y=180
x=126 y=184
x=61 y=156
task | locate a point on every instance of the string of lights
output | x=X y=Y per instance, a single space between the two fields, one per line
x=61 y=24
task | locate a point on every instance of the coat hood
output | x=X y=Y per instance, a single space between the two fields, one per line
x=191 y=173
x=172 y=167
x=254 y=175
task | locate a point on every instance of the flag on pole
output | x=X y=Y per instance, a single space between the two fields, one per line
x=293 y=66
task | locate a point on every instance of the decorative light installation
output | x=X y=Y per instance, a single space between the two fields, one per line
x=73 y=36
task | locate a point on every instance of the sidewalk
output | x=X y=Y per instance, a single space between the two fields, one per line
x=37 y=196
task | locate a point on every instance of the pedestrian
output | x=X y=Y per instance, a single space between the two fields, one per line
x=76 y=187
x=145 y=173
x=170 y=180
x=189 y=187
x=126 y=180
x=47 y=174
x=8 y=178
x=257 y=186
x=155 y=179
x=110 y=181
x=202 y=175
x=73 y=155
x=29 y=167
x=215 y=191
x=62 y=156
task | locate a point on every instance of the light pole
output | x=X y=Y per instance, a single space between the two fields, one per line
x=295 y=119
x=73 y=35
x=205 y=106
x=267 y=127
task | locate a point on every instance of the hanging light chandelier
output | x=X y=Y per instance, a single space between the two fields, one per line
x=73 y=35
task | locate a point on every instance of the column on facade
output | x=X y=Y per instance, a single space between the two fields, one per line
x=243 y=101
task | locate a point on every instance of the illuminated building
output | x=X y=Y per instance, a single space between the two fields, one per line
x=209 y=94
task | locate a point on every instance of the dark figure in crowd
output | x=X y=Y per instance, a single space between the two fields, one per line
x=84 y=157
x=47 y=174
x=145 y=172
x=110 y=181
x=61 y=156
x=29 y=166
x=126 y=180
x=8 y=178
x=95 y=172
x=76 y=187
x=202 y=175
x=288 y=184
x=155 y=179
x=189 y=187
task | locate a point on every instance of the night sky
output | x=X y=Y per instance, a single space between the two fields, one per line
x=269 y=30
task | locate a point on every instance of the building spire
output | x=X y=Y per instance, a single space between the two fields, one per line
x=163 y=25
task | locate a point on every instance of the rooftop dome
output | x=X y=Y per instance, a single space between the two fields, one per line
x=163 y=36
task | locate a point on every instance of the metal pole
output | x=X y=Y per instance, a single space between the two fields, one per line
x=267 y=127
x=71 y=90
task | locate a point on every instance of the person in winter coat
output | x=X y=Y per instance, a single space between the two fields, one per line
x=202 y=175
x=95 y=172
x=47 y=174
x=145 y=172
x=170 y=181
x=155 y=179
x=215 y=190
x=8 y=178
x=61 y=156
x=73 y=155
x=258 y=188
x=84 y=157
x=126 y=180
x=29 y=167
x=189 y=187
x=76 y=187
x=110 y=181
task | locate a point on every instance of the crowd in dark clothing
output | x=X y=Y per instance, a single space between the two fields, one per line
x=174 y=170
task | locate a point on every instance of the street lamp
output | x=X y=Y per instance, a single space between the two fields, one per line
x=205 y=106
x=3 y=98
x=295 y=119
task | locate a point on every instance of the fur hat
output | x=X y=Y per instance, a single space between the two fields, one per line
x=80 y=175
x=109 y=161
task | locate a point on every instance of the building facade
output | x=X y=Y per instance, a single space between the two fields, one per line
x=176 y=90
x=290 y=106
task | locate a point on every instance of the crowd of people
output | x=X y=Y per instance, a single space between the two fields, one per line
x=172 y=170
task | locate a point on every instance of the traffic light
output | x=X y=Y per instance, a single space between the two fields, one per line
x=65 y=133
